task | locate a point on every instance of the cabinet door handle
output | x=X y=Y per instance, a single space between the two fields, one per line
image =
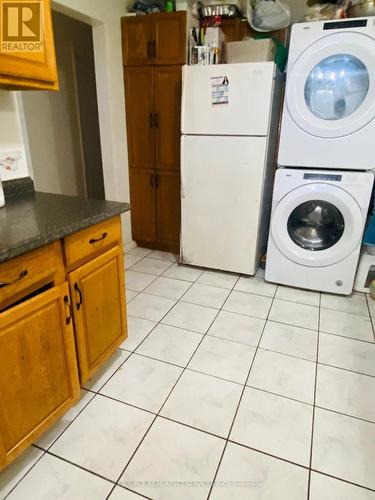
x=68 y=305
x=157 y=180
x=151 y=120
x=152 y=180
x=149 y=53
x=80 y=297
x=153 y=48
x=156 y=120
x=95 y=240
x=22 y=275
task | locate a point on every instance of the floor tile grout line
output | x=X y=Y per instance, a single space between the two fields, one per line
x=45 y=450
x=224 y=380
x=26 y=473
x=240 y=399
x=127 y=489
x=314 y=402
x=371 y=342
x=186 y=368
x=342 y=480
x=268 y=454
x=79 y=466
x=70 y=423
x=157 y=414
x=279 y=395
x=368 y=297
x=356 y=372
x=354 y=417
x=170 y=392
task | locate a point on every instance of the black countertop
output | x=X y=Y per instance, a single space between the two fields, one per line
x=34 y=220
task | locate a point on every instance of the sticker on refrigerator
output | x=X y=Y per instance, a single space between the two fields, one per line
x=219 y=90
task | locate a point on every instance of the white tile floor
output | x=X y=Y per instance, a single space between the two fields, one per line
x=227 y=388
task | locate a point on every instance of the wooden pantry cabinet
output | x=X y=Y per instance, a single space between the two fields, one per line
x=153 y=114
x=27 y=70
x=59 y=322
x=155 y=39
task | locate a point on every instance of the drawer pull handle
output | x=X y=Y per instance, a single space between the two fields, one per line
x=80 y=298
x=67 y=303
x=95 y=240
x=22 y=275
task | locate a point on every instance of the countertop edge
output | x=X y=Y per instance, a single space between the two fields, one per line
x=43 y=239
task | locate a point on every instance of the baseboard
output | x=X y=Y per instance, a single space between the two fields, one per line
x=129 y=246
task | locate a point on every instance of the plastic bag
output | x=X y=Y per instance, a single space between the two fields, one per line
x=268 y=15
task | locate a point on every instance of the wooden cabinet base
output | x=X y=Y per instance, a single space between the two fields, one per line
x=38 y=377
x=98 y=296
x=163 y=247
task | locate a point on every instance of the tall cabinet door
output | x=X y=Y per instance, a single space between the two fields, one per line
x=99 y=308
x=38 y=376
x=137 y=36
x=167 y=80
x=169 y=44
x=168 y=207
x=143 y=207
x=139 y=90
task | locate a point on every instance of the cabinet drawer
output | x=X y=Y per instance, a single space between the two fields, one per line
x=84 y=245
x=23 y=275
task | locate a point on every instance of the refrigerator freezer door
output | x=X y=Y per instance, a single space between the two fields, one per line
x=221 y=189
x=227 y=99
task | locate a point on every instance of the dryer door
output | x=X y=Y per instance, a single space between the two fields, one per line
x=331 y=86
x=317 y=224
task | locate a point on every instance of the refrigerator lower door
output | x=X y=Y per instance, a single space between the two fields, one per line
x=221 y=188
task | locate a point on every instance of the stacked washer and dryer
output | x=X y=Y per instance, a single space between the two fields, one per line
x=326 y=156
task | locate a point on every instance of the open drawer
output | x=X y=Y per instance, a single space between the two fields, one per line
x=24 y=275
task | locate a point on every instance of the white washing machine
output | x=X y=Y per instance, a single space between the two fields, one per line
x=329 y=107
x=317 y=223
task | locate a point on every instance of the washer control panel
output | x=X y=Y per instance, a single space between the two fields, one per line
x=323 y=177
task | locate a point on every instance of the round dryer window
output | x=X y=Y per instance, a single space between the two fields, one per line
x=316 y=225
x=336 y=86
x=330 y=89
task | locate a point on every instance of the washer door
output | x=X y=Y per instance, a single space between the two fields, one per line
x=317 y=225
x=331 y=88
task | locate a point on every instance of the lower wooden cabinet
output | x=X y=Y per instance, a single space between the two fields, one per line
x=55 y=334
x=98 y=298
x=143 y=211
x=168 y=208
x=156 y=208
x=38 y=376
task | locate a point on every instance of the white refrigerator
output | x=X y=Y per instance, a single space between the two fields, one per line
x=229 y=119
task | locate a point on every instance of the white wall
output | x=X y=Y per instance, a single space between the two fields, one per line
x=11 y=139
x=104 y=16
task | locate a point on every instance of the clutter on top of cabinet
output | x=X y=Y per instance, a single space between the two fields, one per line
x=250 y=51
x=365 y=276
x=2 y=198
x=268 y=15
x=361 y=8
x=222 y=10
x=206 y=45
x=327 y=10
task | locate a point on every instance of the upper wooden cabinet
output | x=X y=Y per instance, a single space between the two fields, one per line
x=154 y=39
x=139 y=90
x=38 y=376
x=167 y=86
x=22 y=69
